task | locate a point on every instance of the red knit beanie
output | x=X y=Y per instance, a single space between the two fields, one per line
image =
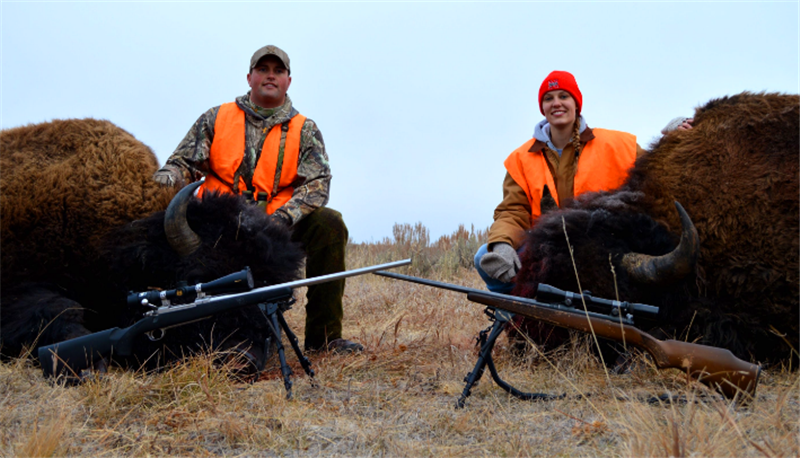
x=560 y=80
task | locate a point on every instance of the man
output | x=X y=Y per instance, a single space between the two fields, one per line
x=260 y=143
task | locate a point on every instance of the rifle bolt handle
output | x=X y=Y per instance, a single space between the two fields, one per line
x=146 y=303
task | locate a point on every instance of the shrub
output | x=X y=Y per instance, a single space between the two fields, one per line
x=442 y=259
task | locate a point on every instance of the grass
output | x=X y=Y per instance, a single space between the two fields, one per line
x=398 y=397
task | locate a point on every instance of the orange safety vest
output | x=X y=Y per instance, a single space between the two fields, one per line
x=227 y=153
x=602 y=165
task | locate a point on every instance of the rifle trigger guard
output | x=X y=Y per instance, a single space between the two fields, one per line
x=156 y=334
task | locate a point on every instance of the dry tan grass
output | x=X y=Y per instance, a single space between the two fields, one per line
x=397 y=398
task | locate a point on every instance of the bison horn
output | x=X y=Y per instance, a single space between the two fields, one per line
x=671 y=267
x=180 y=236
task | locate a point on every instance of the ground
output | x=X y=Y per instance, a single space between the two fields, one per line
x=398 y=397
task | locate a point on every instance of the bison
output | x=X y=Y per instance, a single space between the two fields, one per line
x=736 y=175
x=83 y=224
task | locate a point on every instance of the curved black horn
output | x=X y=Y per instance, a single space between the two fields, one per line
x=180 y=236
x=671 y=267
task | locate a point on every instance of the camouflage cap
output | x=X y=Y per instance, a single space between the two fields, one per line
x=270 y=50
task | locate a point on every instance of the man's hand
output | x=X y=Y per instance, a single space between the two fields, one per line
x=281 y=220
x=502 y=263
x=169 y=177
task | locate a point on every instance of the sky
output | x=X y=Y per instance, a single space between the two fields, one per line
x=419 y=103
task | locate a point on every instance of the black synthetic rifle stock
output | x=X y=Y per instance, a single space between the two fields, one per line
x=715 y=367
x=74 y=355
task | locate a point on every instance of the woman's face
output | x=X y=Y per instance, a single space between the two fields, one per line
x=559 y=108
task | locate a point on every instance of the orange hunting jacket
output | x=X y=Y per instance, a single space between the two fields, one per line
x=603 y=163
x=274 y=173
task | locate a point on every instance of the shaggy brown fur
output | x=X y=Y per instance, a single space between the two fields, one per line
x=736 y=174
x=83 y=225
x=58 y=200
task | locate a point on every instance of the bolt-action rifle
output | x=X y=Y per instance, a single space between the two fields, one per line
x=183 y=305
x=610 y=319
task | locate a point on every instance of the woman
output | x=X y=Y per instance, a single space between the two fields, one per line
x=565 y=158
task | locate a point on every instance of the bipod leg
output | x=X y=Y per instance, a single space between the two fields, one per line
x=485 y=355
x=515 y=392
x=305 y=362
x=503 y=317
x=274 y=324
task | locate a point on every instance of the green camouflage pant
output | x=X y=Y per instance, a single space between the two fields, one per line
x=323 y=236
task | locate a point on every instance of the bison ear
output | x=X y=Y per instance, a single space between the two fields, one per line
x=671 y=267
x=547 y=202
x=180 y=236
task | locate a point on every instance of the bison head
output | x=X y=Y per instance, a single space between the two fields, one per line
x=606 y=247
x=194 y=241
x=736 y=174
x=197 y=240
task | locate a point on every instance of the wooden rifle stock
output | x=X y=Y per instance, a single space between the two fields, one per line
x=715 y=367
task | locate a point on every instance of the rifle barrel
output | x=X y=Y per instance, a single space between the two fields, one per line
x=208 y=305
x=340 y=275
x=435 y=284
x=528 y=302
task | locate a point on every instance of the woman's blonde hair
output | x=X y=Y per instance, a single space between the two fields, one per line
x=576 y=136
x=575 y=139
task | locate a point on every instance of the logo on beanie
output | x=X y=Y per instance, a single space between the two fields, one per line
x=552 y=84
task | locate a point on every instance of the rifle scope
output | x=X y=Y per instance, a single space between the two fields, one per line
x=547 y=293
x=236 y=282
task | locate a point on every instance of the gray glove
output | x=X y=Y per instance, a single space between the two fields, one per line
x=675 y=124
x=502 y=263
x=168 y=177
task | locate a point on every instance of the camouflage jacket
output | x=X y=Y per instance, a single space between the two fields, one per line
x=311 y=190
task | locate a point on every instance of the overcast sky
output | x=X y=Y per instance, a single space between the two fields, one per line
x=419 y=103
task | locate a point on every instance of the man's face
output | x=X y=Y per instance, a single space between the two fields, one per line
x=269 y=80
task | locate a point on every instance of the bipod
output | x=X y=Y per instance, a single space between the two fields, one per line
x=274 y=314
x=486 y=340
